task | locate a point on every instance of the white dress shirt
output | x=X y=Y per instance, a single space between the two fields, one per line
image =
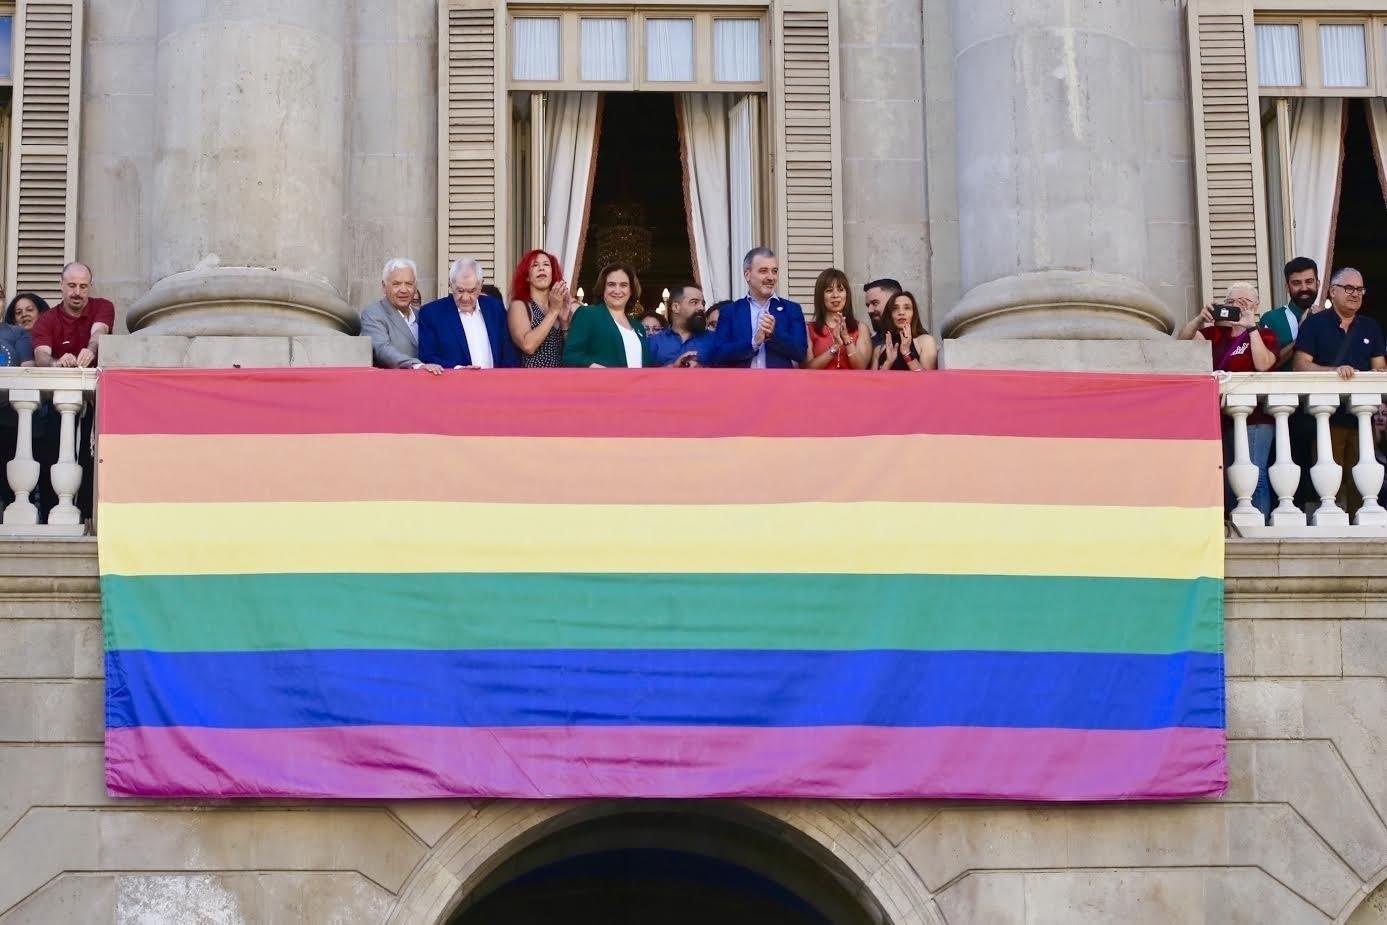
x=758 y=311
x=478 y=341
x=412 y=320
x=632 y=342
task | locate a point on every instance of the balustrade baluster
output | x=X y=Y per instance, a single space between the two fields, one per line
x=1284 y=473
x=66 y=474
x=1368 y=472
x=22 y=472
x=1242 y=474
x=1325 y=473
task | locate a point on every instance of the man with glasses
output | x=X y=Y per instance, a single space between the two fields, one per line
x=1342 y=341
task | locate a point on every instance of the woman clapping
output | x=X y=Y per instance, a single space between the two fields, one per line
x=836 y=340
x=540 y=310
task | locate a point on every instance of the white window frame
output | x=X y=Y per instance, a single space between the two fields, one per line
x=570 y=17
x=1311 y=72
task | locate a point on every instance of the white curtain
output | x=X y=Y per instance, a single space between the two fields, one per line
x=1276 y=207
x=1344 y=55
x=570 y=142
x=1317 y=157
x=1377 y=130
x=736 y=50
x=535 y=53
x=744 y=184
x=602 y=49
x=1278 y=54
x=721 y=171
x=669 y=49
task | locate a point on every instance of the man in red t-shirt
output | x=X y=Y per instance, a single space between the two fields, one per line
x=68 y=334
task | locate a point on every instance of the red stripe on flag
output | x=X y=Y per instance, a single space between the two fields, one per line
x=657 y=403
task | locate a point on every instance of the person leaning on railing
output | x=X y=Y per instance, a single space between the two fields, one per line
x=1241 y=347
x=1346 y=342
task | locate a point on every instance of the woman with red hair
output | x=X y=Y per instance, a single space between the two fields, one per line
x=540 y=309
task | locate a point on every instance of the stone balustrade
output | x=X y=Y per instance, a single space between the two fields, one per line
x=1320 y=396
x=61 y=396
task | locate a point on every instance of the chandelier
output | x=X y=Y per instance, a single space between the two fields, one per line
x=623 y=236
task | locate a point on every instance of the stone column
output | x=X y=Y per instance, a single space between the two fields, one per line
x=1052 y=217
x=248 y=218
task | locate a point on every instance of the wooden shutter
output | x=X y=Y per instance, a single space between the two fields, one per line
x=1228 y=145
x=471 y=102
x=808 y=175
x=42 y=227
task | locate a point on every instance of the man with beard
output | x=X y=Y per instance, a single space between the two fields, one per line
x=875 y=295
x=686 y=339
x=1303 y=286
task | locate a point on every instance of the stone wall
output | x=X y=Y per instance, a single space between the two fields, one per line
x=1299 y=838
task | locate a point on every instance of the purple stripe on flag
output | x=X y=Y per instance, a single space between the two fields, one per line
x=840 y=762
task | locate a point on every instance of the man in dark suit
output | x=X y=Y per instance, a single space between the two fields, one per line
x=760 y=330
x=465 y=329
x=392 y=323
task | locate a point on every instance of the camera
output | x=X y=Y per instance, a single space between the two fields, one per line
x=1226 y=313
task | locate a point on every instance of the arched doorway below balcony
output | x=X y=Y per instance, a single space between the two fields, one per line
x=672 y=866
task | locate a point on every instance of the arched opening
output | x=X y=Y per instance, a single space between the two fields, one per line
x=674 y=866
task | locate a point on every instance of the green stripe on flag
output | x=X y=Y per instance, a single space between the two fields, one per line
x=216 y=613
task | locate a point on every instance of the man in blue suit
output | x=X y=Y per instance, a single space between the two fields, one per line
x=465 y=329
x=760 y=330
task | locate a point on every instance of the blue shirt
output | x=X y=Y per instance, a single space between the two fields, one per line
x=668 y=346
x=1322 y=338
x=16 y=346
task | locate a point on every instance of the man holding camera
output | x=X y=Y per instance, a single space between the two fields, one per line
x=1239 y=346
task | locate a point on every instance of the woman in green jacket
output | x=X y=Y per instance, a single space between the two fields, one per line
x=603 y=335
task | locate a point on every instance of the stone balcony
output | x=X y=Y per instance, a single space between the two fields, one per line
x=1299 y=837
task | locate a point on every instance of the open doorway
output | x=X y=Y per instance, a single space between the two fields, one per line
x=1358 y=235
x=637 y=212
x=674 y=183
x=676 y=867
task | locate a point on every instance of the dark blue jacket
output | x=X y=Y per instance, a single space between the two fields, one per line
x=442 y=341
x=785 y=348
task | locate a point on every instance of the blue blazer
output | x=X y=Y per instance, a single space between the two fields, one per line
x=442 y=341
x=785 y=348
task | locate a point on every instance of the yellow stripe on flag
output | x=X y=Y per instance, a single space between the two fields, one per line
x=846 y=538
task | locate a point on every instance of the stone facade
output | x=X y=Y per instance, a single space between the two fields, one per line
x=1299 y=838
x=985 y=146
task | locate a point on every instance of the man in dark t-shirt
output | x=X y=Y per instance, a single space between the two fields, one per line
x=1346 y=342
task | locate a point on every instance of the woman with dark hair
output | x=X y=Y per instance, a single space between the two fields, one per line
x=16 y=344
x=903 y=343
x=540 y=309
x=836 y=340
x=603 y=335
x=17 y=349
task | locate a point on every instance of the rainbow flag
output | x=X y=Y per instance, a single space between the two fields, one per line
x=377 y=584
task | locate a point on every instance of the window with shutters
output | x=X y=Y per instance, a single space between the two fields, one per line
x=45 y=83
x=522 y=78
x=1290 y=134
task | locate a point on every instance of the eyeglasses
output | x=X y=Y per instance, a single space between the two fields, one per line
x=1352 y=290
